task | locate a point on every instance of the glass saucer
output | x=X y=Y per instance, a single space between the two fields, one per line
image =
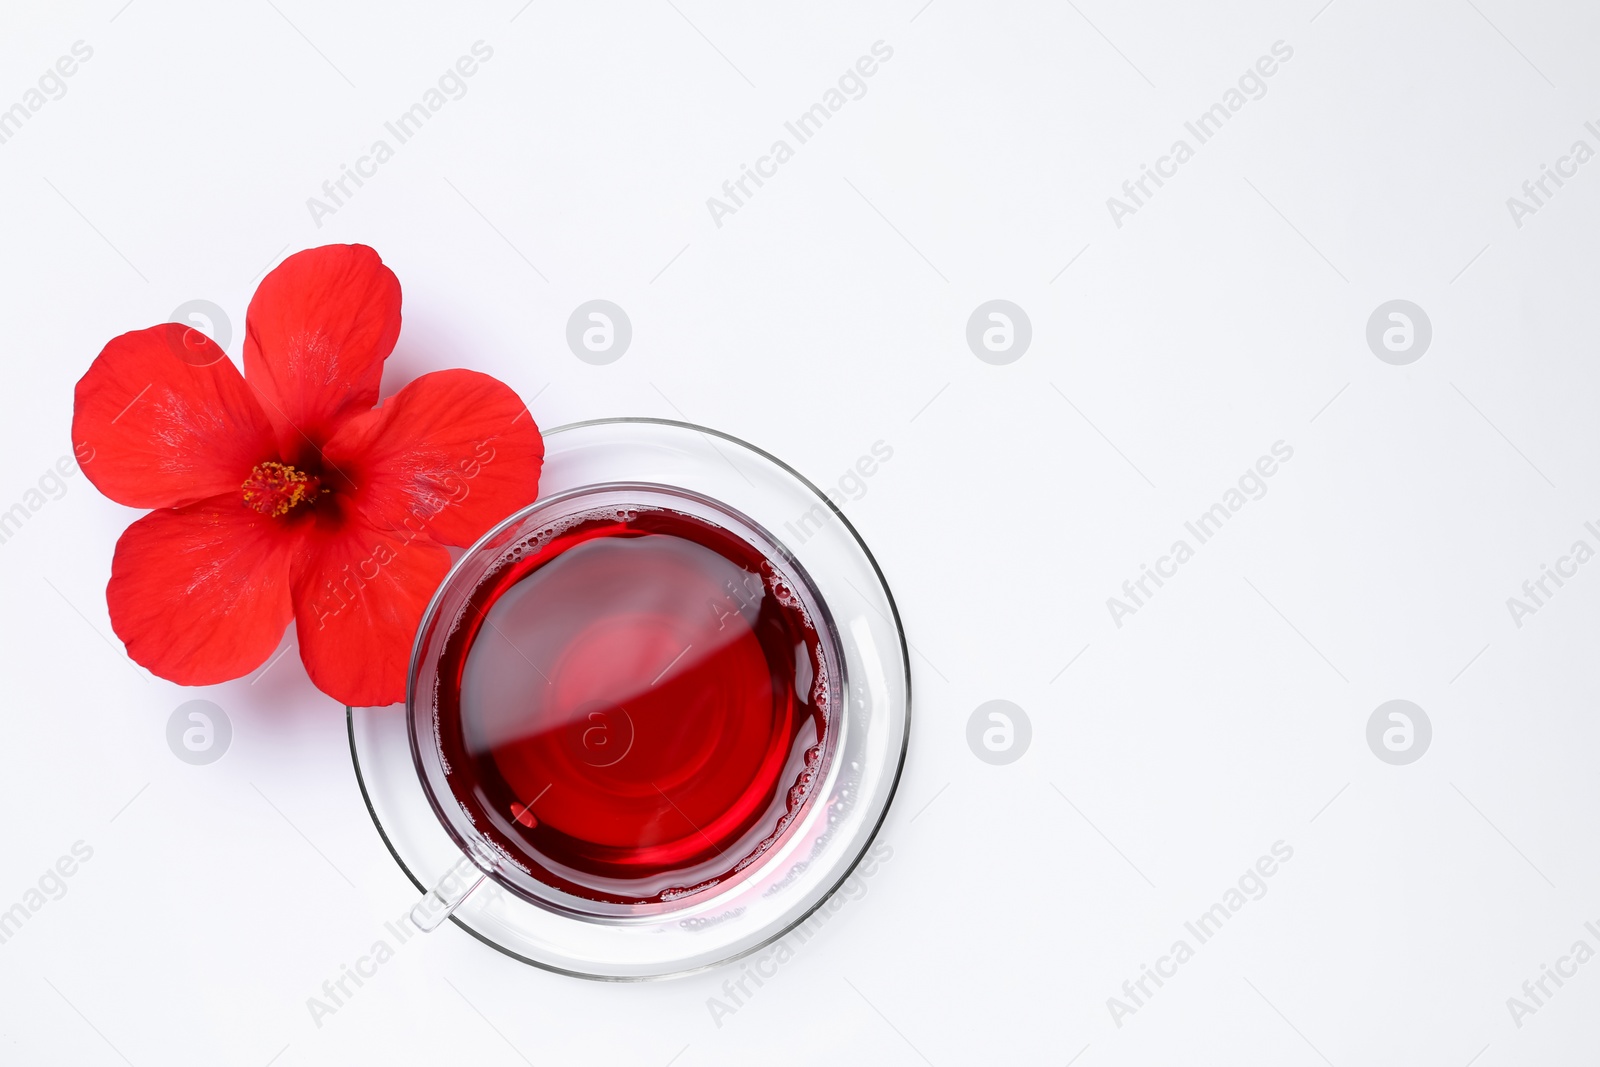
x=781 y=888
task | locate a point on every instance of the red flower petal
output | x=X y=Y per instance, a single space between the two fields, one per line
x=448 y=456
x=359 y=594
x=163 y=418
x=318 y=330
x=200 y=594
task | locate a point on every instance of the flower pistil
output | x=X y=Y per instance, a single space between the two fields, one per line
x=275 y=488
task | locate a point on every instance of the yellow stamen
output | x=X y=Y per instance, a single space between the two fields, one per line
x=274 y=488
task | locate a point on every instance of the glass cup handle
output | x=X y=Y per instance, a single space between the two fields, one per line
x=451 y=891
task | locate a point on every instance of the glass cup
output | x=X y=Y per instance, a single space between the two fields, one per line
x=536 y=915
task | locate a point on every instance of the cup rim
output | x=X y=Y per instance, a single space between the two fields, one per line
x=479 y=846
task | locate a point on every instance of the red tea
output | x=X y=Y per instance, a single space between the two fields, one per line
x=637 y=705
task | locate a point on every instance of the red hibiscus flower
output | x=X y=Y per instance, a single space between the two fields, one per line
x=287 y=495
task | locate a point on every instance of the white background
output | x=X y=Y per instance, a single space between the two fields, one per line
x=826 y=314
